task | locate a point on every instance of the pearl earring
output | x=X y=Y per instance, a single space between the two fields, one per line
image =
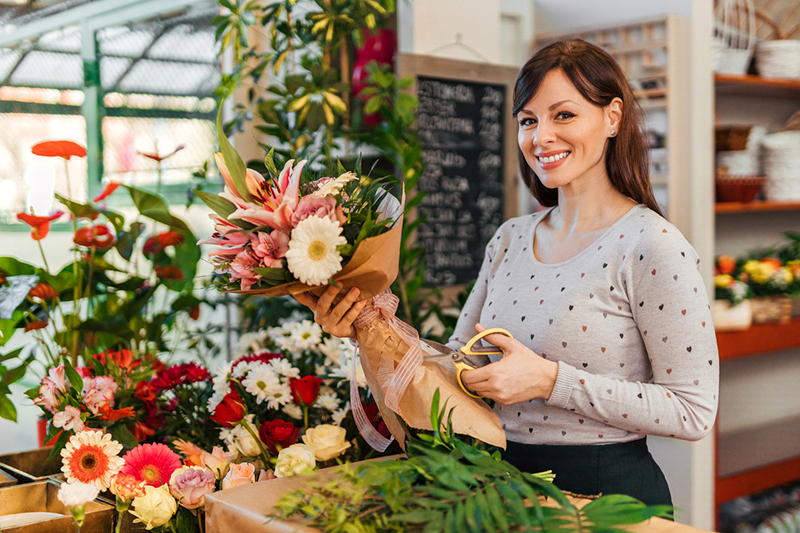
x=613 y=133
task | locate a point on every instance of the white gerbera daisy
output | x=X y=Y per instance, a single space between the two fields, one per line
x=313 y=256
x=284 y=368
x=332 y=187
x=306 y=335
x=92 y=457
x=328 y=400
x=261 y=382
x=340 y=414
x=293 y=410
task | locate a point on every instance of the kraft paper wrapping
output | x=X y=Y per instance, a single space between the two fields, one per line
x=246 y=509
x=471 y=416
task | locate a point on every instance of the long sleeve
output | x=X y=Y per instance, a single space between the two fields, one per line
x=669 y=305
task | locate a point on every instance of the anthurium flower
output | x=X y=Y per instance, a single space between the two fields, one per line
x=37 y=324
x=158 y=243
x=43 y=291
x=63 y=149
x=98 y=236
x=169 y=272
x=109 y=188
x=159 y=158
x=40 y=225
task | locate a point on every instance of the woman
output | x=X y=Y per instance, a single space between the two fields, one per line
x=612 y=332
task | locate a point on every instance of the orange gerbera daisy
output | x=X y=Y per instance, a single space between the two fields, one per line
x=91 y=457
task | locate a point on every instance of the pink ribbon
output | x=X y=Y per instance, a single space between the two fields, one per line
x=394 y=381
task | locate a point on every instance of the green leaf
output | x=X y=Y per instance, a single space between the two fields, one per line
x=117 y=326
x=216 y=203
x=12 y=267
x=435 y=411
x=15 y=374
x=154 y=207
x=78 y=210
x=63 y=438
x=496 y=507
x=74 y=378
x=10 y=355
x=185 y=301
x=232 y=161
x=116 y=219
x=7 y=409
x=123 y=435
x=372 y=105
x=269 y=162
x=516 y=503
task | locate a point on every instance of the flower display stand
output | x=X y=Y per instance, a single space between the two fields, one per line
x=7 y=480
x=32 y=465
x=772 y=309
x=246 y=508
x=19 y=503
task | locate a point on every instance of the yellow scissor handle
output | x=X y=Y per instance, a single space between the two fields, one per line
x=467 y=350
x=461 y=366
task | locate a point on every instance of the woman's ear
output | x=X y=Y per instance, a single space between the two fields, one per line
x=614 y=115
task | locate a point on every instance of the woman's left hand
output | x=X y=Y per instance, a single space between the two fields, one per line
x=521 y=374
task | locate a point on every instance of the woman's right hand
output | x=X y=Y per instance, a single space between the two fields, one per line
x=337 y=321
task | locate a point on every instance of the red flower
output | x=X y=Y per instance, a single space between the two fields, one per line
x=194 y=312
x=181 y=374
x=156 y=364
x=43 y=291
x=98 y=236
x=158 y=243
x=38 y=324
x=263 y=357
x=151 y=463
x=115 y=414
x=63 y=149
x=374 y=416
x=145 y=391
x=123 y=359
x=158 y=158
x=278 y=434
x=305 y=390
x=169 y=272
x=230 y=411
x=110 y=188
x=141 y=431
x=40 y=226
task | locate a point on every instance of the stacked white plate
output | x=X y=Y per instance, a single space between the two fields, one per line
x=740 y=162
x=778 y=59
x=781 y=159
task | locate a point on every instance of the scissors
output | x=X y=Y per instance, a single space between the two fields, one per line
x=468 y=357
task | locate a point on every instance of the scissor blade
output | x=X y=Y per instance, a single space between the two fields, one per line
x=434 y=351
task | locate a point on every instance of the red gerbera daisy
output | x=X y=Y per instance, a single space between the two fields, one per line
x=91 y=457
x=151 y=463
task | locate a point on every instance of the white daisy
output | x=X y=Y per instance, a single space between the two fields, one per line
x=331 y=348
x=284 y=368
x=332 y=187
x=345 y=367
x=313 y=256
x=306 y=334
x=252 y=342
x=243 y=368
x=293 y=410
x=221 y=378
x=340 y=414
x=280 y=395
x=328 y=401
x=261 y=382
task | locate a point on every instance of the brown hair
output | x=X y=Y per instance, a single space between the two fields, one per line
x=599 y=79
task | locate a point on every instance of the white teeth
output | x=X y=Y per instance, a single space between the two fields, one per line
x=553 y=158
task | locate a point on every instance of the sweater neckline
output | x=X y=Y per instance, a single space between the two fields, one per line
x=583 y=252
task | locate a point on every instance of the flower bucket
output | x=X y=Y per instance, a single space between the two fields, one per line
x=731 y=318
x=6 y=480
x=32 y=465
x=35 y=508
x=41 y=433
x=772 y=309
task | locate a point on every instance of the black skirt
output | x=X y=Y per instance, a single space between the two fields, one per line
x=623 y=468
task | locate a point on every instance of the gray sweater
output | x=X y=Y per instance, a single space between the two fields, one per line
x=627 y=320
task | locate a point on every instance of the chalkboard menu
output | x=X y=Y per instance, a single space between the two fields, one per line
x=461 y=127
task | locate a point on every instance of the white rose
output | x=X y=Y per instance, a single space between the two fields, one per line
x=327 y=440
x=295 y=460
x=243 y=441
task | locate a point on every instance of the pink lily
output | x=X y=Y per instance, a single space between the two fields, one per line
x=279 y=205
x=255 y=182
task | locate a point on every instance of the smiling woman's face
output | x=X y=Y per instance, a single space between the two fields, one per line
x=562 y=135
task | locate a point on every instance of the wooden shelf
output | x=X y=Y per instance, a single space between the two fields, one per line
x=754 y=207
x=727 y=84
x=756 y=480
x=758 y=339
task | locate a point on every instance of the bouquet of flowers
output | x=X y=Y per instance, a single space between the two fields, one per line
x=726 y=285
x=286 y=233
x=768 y=277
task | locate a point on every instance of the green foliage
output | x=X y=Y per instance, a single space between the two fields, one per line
x=449 y=485
x=9 y=376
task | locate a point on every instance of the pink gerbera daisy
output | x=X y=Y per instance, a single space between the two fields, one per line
x=91 y=457
x=151 y=463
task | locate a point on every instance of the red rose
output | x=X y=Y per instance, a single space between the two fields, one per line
x=305 y=390
x=277 y=434
x=230 y=411
x=145 y=391
x=374 y=416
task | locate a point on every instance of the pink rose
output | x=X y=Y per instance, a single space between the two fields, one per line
x=314 y=206
x=218 y=460
x=270 y=248
x=239 y=474
x=190 y=484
